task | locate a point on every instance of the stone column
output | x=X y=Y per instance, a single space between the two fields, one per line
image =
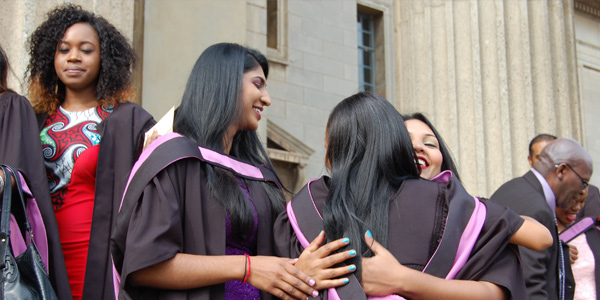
x=490 y=75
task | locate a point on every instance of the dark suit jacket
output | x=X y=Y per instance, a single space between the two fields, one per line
x=540 y=268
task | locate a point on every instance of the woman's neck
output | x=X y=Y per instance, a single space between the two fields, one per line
x=228 y=139
x=80 y=100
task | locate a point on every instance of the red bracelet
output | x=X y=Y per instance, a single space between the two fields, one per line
x=249 y=265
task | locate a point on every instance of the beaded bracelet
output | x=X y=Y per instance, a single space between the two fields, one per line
x=249 y=263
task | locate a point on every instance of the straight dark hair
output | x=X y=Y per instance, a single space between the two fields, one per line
x=447 y=160
x=370 y=154
x=212 y=101
x=4 y=67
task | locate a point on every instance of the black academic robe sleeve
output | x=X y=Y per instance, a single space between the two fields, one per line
x=122 y=142
x=493 y=259
x=175 y=213
x=155 y=232
x=20 y=146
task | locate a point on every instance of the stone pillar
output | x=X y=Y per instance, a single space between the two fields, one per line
x=490 y=75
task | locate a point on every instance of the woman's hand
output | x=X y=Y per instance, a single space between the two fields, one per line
x=380 y=272
x=279 y=277
x=150 y=137
x=573 y=253
x=317 y=261
x=383 y=275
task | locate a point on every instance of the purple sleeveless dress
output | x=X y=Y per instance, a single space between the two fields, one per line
x=237 y=245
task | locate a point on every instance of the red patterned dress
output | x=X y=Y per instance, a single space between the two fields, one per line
x=70 y=144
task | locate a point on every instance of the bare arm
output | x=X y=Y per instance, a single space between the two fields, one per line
x=532 y=235
x=12 y=180
x=274 y=275
x=383 y=275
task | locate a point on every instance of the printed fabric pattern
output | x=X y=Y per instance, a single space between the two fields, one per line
x=64 y=137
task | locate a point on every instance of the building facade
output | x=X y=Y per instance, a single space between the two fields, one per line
x=489 y=74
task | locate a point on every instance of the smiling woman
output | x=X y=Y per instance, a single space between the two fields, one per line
x=427 y=146
x=208 y=196
x=77 y=64
x=431 y=149
x=79 y=77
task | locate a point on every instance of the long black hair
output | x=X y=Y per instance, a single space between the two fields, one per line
x=447 y=160
x=370 y=154
x=117 y=59
x=4 y=67
x=212 y=101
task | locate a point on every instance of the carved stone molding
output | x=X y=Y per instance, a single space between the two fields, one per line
x=591 y=8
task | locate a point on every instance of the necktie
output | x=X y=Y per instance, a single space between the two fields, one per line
x=561 y=268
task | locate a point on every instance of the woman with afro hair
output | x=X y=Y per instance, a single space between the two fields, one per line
x=80 y=85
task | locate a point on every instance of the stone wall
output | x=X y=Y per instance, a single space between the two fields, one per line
x=491 y=75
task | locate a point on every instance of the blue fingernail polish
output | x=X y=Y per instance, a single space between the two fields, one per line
x=352 y=253
x=346 y=240
x=321 y=232
x=352 y=268
x=346 y=280
x=369 y=233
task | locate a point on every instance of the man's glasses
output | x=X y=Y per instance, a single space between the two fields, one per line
x=584 y=182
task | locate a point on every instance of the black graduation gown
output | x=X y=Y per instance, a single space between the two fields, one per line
x=20 y=146
x=122 y=140
x=416 y=223
x=177 y=213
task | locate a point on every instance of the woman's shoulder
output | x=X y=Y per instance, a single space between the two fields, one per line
x=171 y=146
x=130 y=107
x=315 y=191
x=128 y=115
x=421 y=187
x=11 y=98
x=15 y=106
x=317 y=186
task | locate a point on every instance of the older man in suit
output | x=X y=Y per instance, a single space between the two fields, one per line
x=558 y=178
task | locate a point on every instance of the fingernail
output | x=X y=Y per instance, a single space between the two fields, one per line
x=346 y=280
x=346 y=240
x=321 y=232
x=315 y=294
x=311 y=282
x=369 y=233
x=352 y=253
x=352 y=268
